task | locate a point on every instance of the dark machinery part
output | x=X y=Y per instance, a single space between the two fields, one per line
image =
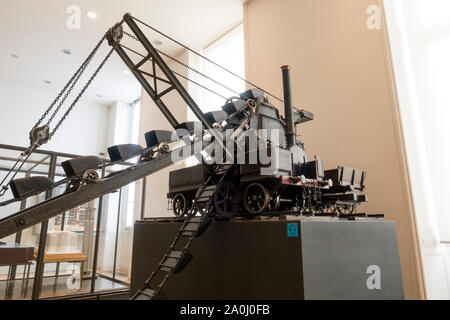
x=291 y=183
x=74 y=198
x=124 y=152
x=177 y=257
x=256 y=198
x=290 y=128
x=39 y=136
x=180 y=205
x=27 y=187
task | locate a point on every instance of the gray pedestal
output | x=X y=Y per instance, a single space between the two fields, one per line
x=310 y=258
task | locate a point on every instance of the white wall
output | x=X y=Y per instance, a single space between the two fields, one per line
x=84 y=132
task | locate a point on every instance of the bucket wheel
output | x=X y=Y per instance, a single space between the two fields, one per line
x=346 y=209
x=90 y=176
x=164 y=148
x=256 y=198
x=330 y=209
x=274 y=202
x=73 y=184
x=223 y=198
x=201 y=208
x=179 y=205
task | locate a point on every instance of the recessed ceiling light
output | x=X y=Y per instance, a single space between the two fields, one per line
x=13 y=55
x=67 y=51
x=91 y=14
x=126 y=71
x=157 y=42
x=47 y=82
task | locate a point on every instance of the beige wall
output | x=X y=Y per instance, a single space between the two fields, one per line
x=340 y=72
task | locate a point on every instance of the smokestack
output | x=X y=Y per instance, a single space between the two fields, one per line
x=290 y=129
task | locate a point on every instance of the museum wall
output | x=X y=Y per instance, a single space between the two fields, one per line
x=22 y=106
x=341 y=72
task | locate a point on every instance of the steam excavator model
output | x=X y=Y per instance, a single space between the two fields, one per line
x=288 y=184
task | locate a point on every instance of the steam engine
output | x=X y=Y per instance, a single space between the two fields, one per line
x=289 y=183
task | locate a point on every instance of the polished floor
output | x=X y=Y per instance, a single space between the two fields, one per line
x=52 y=287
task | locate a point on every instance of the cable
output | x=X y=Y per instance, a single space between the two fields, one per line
x=214 y=63
x=176 y=73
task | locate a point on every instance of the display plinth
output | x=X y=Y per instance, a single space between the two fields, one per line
x=296 y=258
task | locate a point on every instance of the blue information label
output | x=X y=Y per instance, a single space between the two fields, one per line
x=292 y=230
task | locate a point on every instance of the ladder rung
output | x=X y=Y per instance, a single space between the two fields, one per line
x=146 y=294
x=191 y=226
x=176 y=260
x=141 y=296
x=186 y=233
x=165 y=269
x=224 y=168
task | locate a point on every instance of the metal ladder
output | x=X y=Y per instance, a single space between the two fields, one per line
x=178 y=256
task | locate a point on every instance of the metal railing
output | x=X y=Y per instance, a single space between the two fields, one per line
x=49 y=165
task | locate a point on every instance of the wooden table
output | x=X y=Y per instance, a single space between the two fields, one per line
x=15 y=254
x=63 y=257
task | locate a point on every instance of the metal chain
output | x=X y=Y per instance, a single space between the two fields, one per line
x=66 y=91
x=63 y=100
x=82 y=91
x=186 y=66
x=71 y=83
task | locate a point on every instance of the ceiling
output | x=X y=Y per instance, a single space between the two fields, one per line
x=35 y=33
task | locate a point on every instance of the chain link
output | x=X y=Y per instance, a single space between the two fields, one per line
x=66 y=91
x=71 y=83
x=82 y=91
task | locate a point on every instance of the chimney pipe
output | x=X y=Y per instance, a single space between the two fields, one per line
x=290 y=128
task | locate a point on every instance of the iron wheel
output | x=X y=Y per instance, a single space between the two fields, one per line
x=256 y=198
x=179 y=205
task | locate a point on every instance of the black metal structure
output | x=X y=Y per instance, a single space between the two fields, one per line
x=49 y=164
x=288 y=114
x=73 y=198
x=291 y=184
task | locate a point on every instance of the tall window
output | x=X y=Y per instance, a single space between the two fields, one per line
x=419 y=33
x=228 y=52
x=420 y=37
x=134 y=138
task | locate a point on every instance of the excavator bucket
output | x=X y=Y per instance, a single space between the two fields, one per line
x=77 y=166
x=204 y=224
x=27 y=187
x=124 y=152
x=216 y=116
x=252 y=94
x=190 y=126
x=156 y=137
x=235 y=106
